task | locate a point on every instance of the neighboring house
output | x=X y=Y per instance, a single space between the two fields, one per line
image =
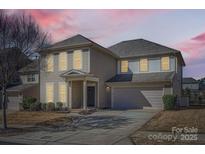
x=202 y=89
x=29 y=86
x=202 y=86
x=190 y=83
x=131 y=74
x=11 y=52
x=191 y=89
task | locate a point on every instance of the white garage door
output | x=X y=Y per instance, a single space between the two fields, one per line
x=13 y=103
x=132 y=98
x=154 y=97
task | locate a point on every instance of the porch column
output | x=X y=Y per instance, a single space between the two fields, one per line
x=70 y=94
x=84 y=94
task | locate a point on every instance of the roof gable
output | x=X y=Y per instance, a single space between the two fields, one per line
x=73 y=72
x=139 y=47
x=72 y=41
x=189 y=80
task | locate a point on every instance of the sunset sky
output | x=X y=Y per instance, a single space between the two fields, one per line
x=180 y=29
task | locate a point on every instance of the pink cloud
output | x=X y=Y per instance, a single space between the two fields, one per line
x=200 y=37
x=193 y=49
x=59 y=23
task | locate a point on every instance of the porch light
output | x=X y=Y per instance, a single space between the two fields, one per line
x=107 y=88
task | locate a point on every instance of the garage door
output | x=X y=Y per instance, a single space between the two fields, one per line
x=13 y=103
x=154 y=97
x=133 y=98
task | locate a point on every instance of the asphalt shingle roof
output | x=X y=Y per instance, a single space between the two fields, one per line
x=121 y=78
x=189 y=80
x=21 y=87
x=143 y=77
x=139 y=47
x=30 y=68
x=72 y=41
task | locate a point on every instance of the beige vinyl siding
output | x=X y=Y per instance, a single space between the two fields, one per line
x=70 y=60
x=144 y=65
x=86 y=61
x=62 y=61
x=49 y=91
x=50 y=63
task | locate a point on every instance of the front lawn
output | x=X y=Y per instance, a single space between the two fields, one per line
x=162 y=123
x=165 y=120
x=33 y=118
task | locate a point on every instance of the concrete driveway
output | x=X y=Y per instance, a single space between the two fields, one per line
x=102 y=127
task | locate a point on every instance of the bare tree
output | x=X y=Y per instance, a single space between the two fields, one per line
x=20 y=36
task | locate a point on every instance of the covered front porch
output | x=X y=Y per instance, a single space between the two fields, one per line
x=83 y=90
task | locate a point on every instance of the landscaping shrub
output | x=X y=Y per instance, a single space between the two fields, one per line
x=50 y=106
x=169 y=102
x=59 y=106
x=35 y=106
x=21 y=107
x=66 y=109
x=43 y=106
x=27 y=101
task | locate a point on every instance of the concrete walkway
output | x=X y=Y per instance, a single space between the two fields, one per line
x=100 y=128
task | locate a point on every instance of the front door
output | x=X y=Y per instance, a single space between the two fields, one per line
x=91 y=96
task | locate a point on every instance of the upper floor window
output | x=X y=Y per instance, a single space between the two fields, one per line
x=62 y=89
x=62 y=61
x=31 y=78
x=49 y=91
x=77 y=59
x=165 y=63
x=144 y=65
x=49 y=63
x=124 y=66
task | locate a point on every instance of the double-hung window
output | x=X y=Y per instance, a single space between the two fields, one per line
x=143 y=65
x=124 y=66
x=62 y=61
x=77 y=59
x=31 y=78
x=165 y=64
x=49 y=91
x=62 y=92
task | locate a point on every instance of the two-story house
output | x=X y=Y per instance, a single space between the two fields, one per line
x=131 y=74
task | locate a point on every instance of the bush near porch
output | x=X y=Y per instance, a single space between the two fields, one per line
x=169 y=102
x=31 y=104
